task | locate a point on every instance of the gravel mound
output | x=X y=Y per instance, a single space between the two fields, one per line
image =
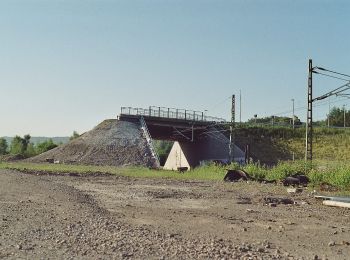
x=112 y=142
x=11 y=157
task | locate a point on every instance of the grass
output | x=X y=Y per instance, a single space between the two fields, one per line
x=202 y=173
x=337 y=175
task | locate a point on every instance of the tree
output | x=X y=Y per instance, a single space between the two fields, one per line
x=16 y=146
x=45 y=146
x=20 y=145
x=26 y=141
x=3 y=146
x=163 y=149
x=336 y=117
x=75 y=135
x=275 y=120
x=30 y=150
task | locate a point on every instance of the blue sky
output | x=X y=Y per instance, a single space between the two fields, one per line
x=67 y=65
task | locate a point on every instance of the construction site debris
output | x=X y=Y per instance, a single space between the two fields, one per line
x=278 y=200
x=182 y=169
x=327 y=187
x=294 y=190
x=11 y=157
x=334 y=198
x=236 y=175
x=296 y=180
x=336 y=203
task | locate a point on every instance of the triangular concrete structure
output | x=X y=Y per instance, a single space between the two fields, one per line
x=190 y=155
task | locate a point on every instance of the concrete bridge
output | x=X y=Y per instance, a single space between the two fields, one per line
x=197 y=137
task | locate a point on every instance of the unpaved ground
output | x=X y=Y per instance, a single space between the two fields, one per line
x=106 y=217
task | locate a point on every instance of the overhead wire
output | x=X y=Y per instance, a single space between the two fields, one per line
x=324 y=74
x=332 y=71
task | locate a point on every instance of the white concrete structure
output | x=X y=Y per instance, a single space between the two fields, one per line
x=190 y=155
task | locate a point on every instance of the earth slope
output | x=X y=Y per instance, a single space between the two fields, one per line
x=112 y=142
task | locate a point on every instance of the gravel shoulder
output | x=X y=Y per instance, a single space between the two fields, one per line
x=113 y=217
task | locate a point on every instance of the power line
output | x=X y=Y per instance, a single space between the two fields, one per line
x=220 y=103
x=334 y=77
x=304 y=107
x=342 y=74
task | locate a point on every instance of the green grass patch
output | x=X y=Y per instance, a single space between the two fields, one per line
x=335 y=174
x=210 y=172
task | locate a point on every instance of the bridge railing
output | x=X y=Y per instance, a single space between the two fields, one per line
x=172 y=113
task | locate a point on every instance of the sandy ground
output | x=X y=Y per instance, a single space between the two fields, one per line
x=111 y=217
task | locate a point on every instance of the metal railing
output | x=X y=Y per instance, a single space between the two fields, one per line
x=172 y=113
x=149 y=141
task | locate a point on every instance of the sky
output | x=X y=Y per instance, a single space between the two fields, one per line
x=67 y=65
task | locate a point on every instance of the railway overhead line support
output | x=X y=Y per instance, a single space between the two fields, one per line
x=339 y=91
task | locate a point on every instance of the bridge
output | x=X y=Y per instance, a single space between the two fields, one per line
x=197 y=136
x=171 y=123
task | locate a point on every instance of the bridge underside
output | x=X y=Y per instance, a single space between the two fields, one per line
x=194 y=141
x=177 y=129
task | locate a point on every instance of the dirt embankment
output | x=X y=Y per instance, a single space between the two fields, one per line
x=112 y=142
x=111 y=217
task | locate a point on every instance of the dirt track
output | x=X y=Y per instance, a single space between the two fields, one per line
x=108 y=217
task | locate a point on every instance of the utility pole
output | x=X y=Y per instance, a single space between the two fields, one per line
x=232 y=142
x=329 y=109
x=293 y=112
x=308 y=145
x=240 y=107
x=344 y=115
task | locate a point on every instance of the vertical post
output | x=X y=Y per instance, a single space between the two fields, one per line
x=308 y=148
x=293 y=113
x=185 y=114
x=192 y=133
x=158 y=111
x=168 y=112
x=344 y=115
x=240 y=107
x=232 y=142
x=329 y=109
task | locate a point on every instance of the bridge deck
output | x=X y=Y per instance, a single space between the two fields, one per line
x=172 y=124
x=170 y=114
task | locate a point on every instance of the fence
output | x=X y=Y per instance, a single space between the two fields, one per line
x=171 y=113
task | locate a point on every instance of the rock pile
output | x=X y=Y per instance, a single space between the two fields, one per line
x=112 y=142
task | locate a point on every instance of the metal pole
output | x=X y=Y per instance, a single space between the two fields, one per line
x=329 y=109
x=232 y=143
x=293 y=113
x=192 y=133
x=308 y=145
x=344 y=114
x=240 y=107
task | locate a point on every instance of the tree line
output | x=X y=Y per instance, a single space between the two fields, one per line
x=335 y=118
x=23 y=146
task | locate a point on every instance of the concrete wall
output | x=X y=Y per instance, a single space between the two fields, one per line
x=190 y=155
x=176 y=158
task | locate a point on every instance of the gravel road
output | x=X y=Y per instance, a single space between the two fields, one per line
x=113 y=217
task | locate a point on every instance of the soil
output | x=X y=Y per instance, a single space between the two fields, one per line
x=112 y=142
x=114 y=217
